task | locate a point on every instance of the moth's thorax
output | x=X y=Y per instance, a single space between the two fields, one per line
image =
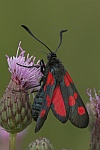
x=57 y=67
x=54 y=61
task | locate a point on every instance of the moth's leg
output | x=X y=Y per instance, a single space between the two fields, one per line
x=42 y=64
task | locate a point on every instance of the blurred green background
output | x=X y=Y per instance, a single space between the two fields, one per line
x=79 y=52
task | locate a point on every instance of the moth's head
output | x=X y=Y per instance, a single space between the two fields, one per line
x=51 y=55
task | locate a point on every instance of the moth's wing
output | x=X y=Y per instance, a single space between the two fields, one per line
x=47 y=93
x=78 y=114
x=37 y=104
x=59 y=104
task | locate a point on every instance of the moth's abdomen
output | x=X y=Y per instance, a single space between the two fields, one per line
x=36 y=107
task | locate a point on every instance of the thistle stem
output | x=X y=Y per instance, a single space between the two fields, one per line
x=12 y=141
x=95 y=137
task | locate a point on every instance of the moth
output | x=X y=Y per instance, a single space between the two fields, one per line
x=57 y=92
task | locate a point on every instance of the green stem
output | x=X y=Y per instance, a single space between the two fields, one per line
x=12 y=141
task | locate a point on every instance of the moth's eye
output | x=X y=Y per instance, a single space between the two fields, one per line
x=48 y=56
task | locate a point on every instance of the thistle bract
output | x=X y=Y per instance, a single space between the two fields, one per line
x=15 y=107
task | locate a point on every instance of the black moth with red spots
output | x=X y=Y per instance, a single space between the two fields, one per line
x=59 y=93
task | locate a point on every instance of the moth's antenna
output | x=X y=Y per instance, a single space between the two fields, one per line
x=61 y=32
x=44 y=52
x=28 y=30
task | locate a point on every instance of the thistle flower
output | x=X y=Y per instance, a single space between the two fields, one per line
x=15 y=107
x=40 y=144
x=94 y=112
x=23 y=76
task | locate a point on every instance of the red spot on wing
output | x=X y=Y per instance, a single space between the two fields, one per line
x=75 y=95
x=67 y=79
x=50 y=79
x=81 y=110
x=58 y=102
x=42 y=113
x=48 y=99
x=67 y=83
x=72 y=101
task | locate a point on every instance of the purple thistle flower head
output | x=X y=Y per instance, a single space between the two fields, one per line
x=24 y=76
x=15 y=105
x=95 y=102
